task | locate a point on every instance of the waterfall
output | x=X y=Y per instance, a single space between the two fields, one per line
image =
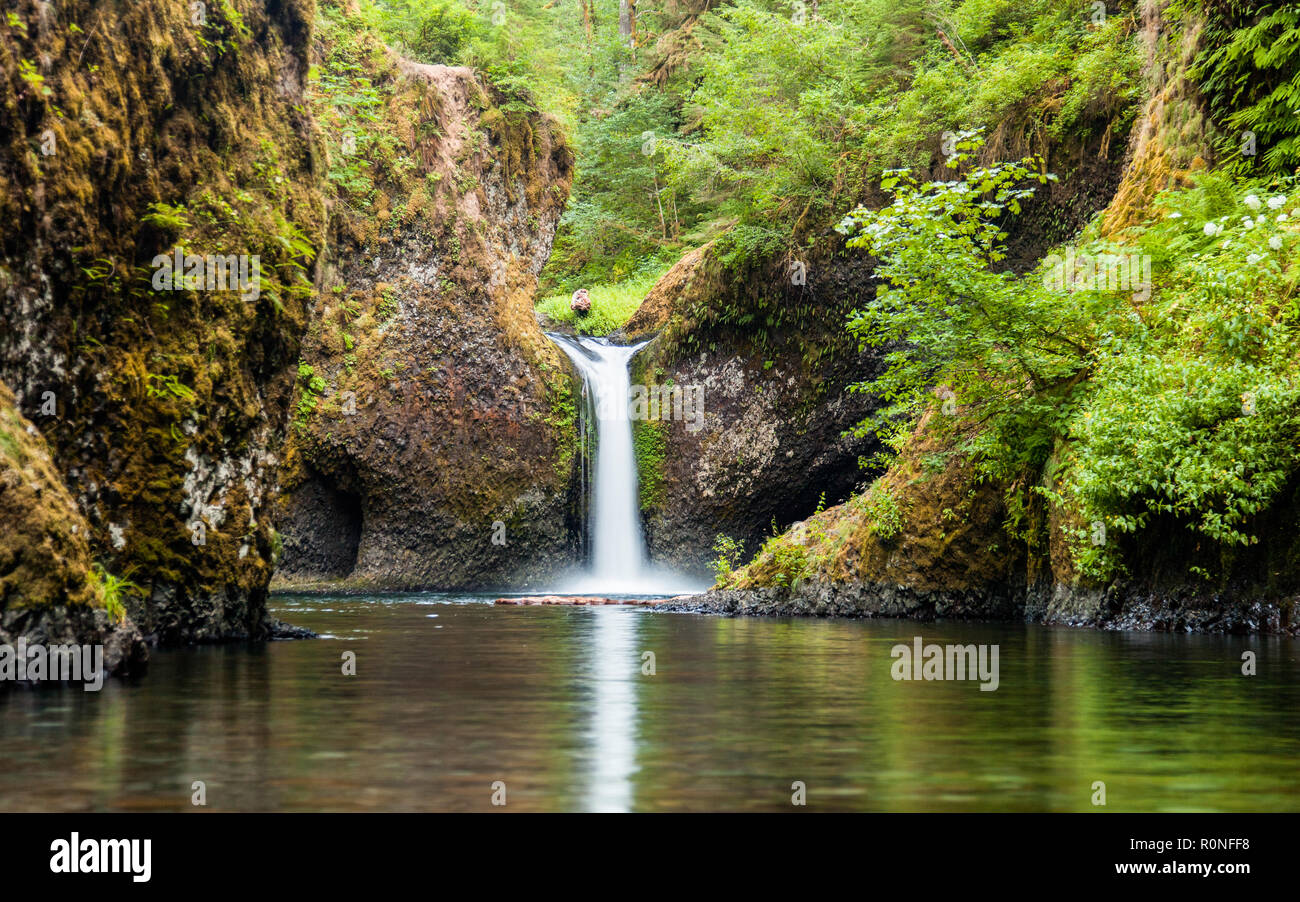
x=617 y=559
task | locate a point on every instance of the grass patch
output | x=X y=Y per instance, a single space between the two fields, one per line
x=611 y=306
x=10 y=446
x=112 y=590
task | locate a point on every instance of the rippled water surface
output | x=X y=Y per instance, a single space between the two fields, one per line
x=454 y=694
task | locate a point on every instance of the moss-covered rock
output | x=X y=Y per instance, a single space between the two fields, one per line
x=50 y=591
x=1173 y=135
x=129 y=130
x=925 y=539
x=770 y=363
x=435 y=434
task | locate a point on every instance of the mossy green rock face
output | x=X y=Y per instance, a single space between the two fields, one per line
x=48 y=593
x=434 y=435
x=130 y=129
x=769 y=439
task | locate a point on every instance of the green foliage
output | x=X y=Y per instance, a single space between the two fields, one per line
x=1249 y=72
x=29 y=73
x=310 y=389
x=611 y=306
x=782 y=131
x=349 y=101
x=624 y=214
x=1178 y=399
x=730 y=555
x=295 y=252
x=798 y=114
x=789 y=561
x=169 y=386
x=387 y=306
x=430 y=31
x=1000 y=347
x=1194 y=415
x=167 y=217
x=650 y=443
x=111 y=591
x=884 y=512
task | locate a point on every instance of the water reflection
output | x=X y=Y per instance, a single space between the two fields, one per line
x=612 y=734
x=552 y=702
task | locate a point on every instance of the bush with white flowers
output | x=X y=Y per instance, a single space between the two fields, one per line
x=1164 y=432
x=1135 y=398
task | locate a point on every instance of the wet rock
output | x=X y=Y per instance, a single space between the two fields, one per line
x=853 y=599
x=279 y=630
x=771 y=440
x=580 y=303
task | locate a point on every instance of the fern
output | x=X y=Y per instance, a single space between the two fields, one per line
x=1249 y=72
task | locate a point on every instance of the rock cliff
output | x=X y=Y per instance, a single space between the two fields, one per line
x=434 y=440
x=136 y=134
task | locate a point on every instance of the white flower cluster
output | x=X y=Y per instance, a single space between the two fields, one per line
x=1215 y=228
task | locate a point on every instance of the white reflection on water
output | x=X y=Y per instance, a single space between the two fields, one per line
x=616 y=667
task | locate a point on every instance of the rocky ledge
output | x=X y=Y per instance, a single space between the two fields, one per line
x=1119 y=607
x=816 y=599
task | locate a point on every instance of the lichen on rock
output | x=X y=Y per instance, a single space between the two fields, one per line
x=131 y=131
x=50 y=592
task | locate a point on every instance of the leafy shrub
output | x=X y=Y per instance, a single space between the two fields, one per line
x=998 y=344
x=790 y=563
x=431 y=31
x=730 y=554
x=884 y=512
x=1195 y=413
x=1179 y=399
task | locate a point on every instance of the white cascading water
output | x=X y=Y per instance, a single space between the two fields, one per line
x=618 y=560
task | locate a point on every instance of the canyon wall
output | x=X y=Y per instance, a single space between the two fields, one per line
x=434 y=435
x=131 y=132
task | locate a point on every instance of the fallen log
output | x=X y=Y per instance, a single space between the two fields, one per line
x=576 y=600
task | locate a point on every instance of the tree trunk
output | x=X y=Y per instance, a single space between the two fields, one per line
x=627 y=21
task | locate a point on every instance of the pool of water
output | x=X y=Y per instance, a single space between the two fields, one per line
x=452 y=695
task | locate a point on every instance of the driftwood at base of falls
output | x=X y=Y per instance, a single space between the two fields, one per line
x=578 y=600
